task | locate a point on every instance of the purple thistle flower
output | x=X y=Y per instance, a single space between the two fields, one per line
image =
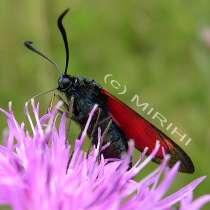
x=37 y=173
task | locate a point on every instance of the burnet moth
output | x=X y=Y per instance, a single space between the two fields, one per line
x=123 y=123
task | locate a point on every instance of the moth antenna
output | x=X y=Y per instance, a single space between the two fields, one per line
x=30 y=46
x=64 y=36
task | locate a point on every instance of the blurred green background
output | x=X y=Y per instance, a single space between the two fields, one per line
x=153 y=47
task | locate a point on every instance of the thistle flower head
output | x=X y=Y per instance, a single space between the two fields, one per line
x=40 y=171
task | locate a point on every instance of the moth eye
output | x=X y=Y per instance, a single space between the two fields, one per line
x=64 y=83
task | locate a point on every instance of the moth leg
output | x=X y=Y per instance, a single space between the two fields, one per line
x=69 y=115
x=51 y=103
x=94 y=137
x=96 y=122
x=91 y=136
x=104 y=120
x=69 y=112
x=105 y=131
x=68 y=109
x=103 y=142
x=103 y=126
x=52 y=100
x=65 y=104
x=68 y=122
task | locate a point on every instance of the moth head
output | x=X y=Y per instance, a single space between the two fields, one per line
x=64 y=82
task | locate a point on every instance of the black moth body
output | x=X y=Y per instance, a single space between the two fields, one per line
x=86 y=94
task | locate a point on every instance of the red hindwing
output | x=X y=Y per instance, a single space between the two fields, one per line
x=145 y=134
